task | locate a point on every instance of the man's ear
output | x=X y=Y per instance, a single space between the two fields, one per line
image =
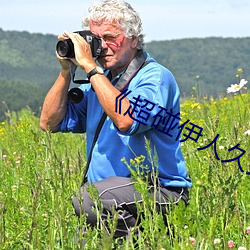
x=134 y=42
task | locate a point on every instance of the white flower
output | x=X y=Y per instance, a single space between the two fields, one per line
x=192 y=240
x=242 y=248
x=22 y=210
x=217 y=241
x=237 y=87
x=247 y=132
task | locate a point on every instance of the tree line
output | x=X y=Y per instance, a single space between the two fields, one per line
x=203 y=67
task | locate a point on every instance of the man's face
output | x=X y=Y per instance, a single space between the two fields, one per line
x=118 y=50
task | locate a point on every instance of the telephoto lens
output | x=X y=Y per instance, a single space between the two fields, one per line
x=65 y=48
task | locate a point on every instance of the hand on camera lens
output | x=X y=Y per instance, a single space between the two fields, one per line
x=83 y=54
x=66 y=63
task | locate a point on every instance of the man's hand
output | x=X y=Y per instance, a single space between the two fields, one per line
x=83 y=54
x=66 y=63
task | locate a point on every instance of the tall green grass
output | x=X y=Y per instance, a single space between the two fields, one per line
x=40 y=172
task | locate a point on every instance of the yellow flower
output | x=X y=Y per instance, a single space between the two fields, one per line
x=132 y=162
x=195 y=105
x=240 y=70
x=138 y=160
x=183 y=113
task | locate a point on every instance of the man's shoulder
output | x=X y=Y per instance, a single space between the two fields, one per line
x=155 y=69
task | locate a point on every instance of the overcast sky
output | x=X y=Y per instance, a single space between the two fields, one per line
x=162 y=19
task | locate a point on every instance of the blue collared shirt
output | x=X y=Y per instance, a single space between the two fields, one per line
x=155 y=88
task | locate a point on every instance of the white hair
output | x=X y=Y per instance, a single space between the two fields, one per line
x=120 y=13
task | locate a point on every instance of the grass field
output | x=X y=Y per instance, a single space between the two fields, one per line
x=40 y=172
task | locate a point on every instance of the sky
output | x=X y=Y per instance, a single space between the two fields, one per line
x=162 y=19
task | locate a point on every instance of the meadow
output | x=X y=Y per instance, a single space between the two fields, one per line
x=40 y=172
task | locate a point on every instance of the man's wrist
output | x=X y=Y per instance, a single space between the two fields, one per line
x=65 y=73
x=96 y=70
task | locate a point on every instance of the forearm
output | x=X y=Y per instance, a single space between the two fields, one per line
x=55 y=103
x=107 y=95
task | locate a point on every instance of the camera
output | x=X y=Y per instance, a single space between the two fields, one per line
x=65 y=48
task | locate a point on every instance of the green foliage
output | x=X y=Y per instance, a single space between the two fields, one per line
x=211 y=59
x=26 y=57
x=40 y=172
x=208 y=64
x=35 y=208
x=14 y=95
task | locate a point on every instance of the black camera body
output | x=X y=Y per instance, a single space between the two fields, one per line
x=65 y=48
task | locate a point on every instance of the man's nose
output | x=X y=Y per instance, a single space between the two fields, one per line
x=104 y=44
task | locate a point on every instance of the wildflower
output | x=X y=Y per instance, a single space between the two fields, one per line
x=247 y=132
x=137 y=159
x=45 y=216
x=242 y=248
x=14 y=188
x=216 y=241
x=132 y=162
x=248 y=230
x=123 y=159
x=240 y=70
x=237 y=87
x=22 y=210
x=221 y=147
x=192 y=240
x=230 y=244
x=195 y=105
x=198 y=182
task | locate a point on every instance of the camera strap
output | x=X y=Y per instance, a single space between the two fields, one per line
x=136 y=64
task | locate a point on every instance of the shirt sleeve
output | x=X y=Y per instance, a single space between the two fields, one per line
x=154 y=94
x=75 y=118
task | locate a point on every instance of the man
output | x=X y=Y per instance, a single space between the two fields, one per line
x=148 y=109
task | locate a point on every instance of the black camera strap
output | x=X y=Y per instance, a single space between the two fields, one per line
x=97 y=132
x=136 y=64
